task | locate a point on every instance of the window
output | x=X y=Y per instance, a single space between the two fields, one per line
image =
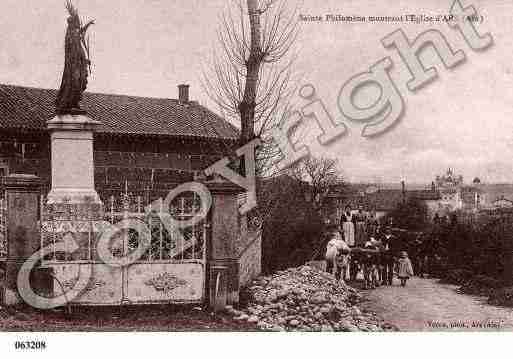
x=4 y=170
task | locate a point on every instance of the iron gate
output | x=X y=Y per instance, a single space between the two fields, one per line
x=171 y=270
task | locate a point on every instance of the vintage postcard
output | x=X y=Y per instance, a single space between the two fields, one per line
x=254 y=166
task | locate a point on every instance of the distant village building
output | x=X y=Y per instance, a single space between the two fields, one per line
x=456 y=196
x=473 y=198
x=446 y=194
x=449 y=187
x=373 y=198
x=501 y=203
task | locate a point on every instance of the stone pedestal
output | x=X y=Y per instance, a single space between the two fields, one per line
x=226 y=227
x=71 y=139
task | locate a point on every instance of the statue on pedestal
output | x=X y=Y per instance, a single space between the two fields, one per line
x=77 y=65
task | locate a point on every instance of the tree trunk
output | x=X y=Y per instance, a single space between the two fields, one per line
x=247 y=106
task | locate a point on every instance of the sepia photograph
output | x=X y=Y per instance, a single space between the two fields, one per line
x=299 y=172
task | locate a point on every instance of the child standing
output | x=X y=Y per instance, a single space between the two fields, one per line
x=337 y=254
x=404 y=268
x=342 y=264
x=332 y=248
x=370 y=264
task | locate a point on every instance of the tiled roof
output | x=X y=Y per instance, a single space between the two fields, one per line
x=381 y=200
x=29 y=109
x=386 y=199
x=423 y=194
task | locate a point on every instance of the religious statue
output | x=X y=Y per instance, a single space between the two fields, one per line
x=77 y=65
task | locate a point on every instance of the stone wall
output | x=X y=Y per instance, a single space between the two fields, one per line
x=144 y=163
x=27 y=153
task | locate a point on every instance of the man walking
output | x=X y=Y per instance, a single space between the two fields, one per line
x=389 y=252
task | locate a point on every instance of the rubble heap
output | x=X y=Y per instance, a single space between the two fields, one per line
x=305 y=299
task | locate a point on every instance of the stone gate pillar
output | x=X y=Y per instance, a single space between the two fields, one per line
x=226 y=229
x=23 y=231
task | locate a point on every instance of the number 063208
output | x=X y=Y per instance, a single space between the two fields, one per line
x=29 y=345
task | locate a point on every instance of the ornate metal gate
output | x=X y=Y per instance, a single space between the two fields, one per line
x=171 y=270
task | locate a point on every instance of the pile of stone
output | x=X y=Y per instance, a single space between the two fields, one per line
x=305 y=299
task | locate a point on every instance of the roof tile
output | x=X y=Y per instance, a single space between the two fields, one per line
x=30 y=108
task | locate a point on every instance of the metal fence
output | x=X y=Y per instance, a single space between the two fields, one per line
x=166 y=245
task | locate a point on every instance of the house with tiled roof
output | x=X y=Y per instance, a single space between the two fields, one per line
x=381 y=200
x=142 y=143
x=376 y=198
x=494 y=193
x=502 y=203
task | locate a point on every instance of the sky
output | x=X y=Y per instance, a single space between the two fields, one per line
x=462 y=120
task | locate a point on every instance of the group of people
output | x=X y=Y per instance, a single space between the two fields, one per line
x=359 y=245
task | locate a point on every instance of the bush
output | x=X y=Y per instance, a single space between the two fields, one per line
x=457 y=276
x=412 y=215
x=485 y=281
x=482 y=248
x=292 y=229
x=503 y=297
x=481 y=285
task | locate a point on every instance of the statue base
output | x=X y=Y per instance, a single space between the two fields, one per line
x=72 y=159
x=73 y=196
x=71 y=111
x=77 y=122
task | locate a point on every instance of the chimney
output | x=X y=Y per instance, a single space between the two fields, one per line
x=433 y=188
x=403 y=189
x=183 y=93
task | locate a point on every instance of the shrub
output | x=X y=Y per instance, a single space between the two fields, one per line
x=485 y=281
x=291 y=227
x=481 y=285
x=457 y=276
x=503 y=297
x=412 y=215
x=483 y=249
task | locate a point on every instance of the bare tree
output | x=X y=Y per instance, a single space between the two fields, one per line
x=250 y=74
x=320 y=173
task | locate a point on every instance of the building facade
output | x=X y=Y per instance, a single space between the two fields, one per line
x=143 y=144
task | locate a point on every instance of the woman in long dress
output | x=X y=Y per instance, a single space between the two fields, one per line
x=347 y=224
x=348 y=227
x=360 y=229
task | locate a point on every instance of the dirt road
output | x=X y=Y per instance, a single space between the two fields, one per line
x=427 y=305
